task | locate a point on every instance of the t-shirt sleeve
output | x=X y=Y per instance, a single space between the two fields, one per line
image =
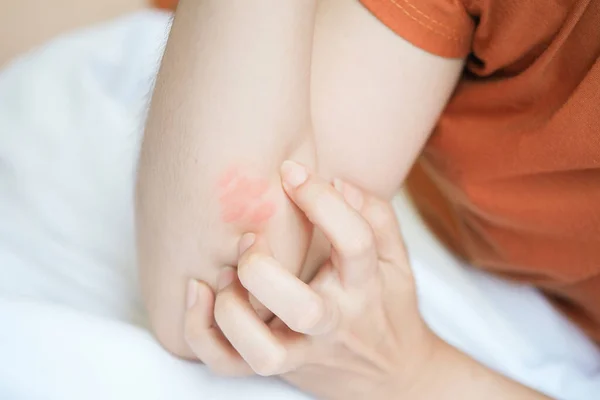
x=441 y=27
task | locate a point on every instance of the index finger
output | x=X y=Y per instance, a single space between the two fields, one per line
x=348 y=232
x=284 y=294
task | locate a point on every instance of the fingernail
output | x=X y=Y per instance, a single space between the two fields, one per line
x=246 y=242
x=226 y=277
x=192 y=294
x=293 y=174
x=353 y=196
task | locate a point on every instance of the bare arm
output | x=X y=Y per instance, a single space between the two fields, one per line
x=375 y=97
x=231 y=103
x=375 y=101
x=235 y=93
x=454 y=375
x=234 y=99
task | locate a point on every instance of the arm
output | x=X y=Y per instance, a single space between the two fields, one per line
x=375 y=97
x=375 y=100
x=231 y=103
x=454 y=375
x=234 y=90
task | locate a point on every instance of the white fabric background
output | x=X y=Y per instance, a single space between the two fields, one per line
x=71 y=320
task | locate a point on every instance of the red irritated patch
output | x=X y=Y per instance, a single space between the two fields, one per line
x=244 y=199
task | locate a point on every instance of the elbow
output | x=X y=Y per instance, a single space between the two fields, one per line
x=172 y=339
x=164 y=305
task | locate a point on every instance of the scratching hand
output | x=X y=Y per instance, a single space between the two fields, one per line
x=353 y=332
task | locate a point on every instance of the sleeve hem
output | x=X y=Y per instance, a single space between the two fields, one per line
x=423 y=31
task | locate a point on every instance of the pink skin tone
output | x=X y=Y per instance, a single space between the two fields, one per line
x=243 y=199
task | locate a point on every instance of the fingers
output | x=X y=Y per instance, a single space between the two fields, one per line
x=204 y=339
x=247 y=333
x=349 y=234
x=382 y=219
x=263 y=312
x=291 y=300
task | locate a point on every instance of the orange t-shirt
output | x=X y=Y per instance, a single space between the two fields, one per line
x=510 y=179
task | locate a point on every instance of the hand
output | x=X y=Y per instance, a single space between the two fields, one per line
x=353 y=332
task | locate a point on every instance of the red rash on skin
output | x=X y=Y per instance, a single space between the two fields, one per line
x=262 y=213
x=243 y=199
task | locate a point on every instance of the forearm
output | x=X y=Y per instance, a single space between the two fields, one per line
x=230 y=104
x=375 y=100
x=454 y=375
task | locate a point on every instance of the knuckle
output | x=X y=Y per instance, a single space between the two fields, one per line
x=381 y=216
x=311 y=319
x=272 y=363
x=361 y=244
x=252 y=267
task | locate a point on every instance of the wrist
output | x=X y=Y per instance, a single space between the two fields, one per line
x=436 y=372
x=416 y=370
x=414 y=380
x=452 y=374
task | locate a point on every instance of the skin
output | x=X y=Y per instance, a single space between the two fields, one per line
x=244 y=199
x=209 y=117
x=320 y=85
x=324 y=84
x=356 y=326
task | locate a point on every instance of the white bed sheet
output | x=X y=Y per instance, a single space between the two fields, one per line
x=71 y=320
